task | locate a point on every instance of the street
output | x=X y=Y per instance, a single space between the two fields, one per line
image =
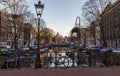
x=62 y=72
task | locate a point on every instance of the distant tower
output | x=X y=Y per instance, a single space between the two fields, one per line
x=77 y=24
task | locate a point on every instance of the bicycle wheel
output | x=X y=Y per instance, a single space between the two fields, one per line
x=11 y=64
x=32 y=63
x=46 y=62
x=63 y=62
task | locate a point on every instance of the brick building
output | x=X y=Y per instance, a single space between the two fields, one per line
x=111 y=16
x=28 y=31
x=7 y=31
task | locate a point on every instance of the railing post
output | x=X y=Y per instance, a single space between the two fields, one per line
x=73 y=59
x=90 y=58
x=56 y=49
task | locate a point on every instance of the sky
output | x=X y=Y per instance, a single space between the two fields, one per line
x=60 y=15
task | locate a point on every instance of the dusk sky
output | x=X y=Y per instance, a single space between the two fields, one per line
x=60 y=15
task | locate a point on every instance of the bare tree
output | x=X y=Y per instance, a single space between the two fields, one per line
x=92 y=30
x=92 y=11
x=47 y=34
x=29 y=17
x=16 y=8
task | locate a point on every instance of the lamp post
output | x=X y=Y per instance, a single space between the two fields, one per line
x=39 y=9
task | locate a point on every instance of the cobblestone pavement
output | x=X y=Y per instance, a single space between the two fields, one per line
x=62 y=72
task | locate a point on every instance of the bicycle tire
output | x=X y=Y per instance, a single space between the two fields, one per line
x=11 y=64
x=63 y=62
x=46 y=62
x=32 y=63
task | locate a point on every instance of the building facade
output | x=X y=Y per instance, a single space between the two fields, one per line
x=111 y=17
x=28 y=31
x=7 y=30
x=5 y=33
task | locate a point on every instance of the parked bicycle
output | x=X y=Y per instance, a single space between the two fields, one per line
x=78 y=58
x=21 y=62
x=49 y=57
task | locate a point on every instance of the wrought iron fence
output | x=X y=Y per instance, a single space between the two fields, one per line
x=63 y=57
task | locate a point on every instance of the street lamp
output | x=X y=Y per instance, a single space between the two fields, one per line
x=39 y=9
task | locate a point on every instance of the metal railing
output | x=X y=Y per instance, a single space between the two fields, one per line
x=64 y=57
